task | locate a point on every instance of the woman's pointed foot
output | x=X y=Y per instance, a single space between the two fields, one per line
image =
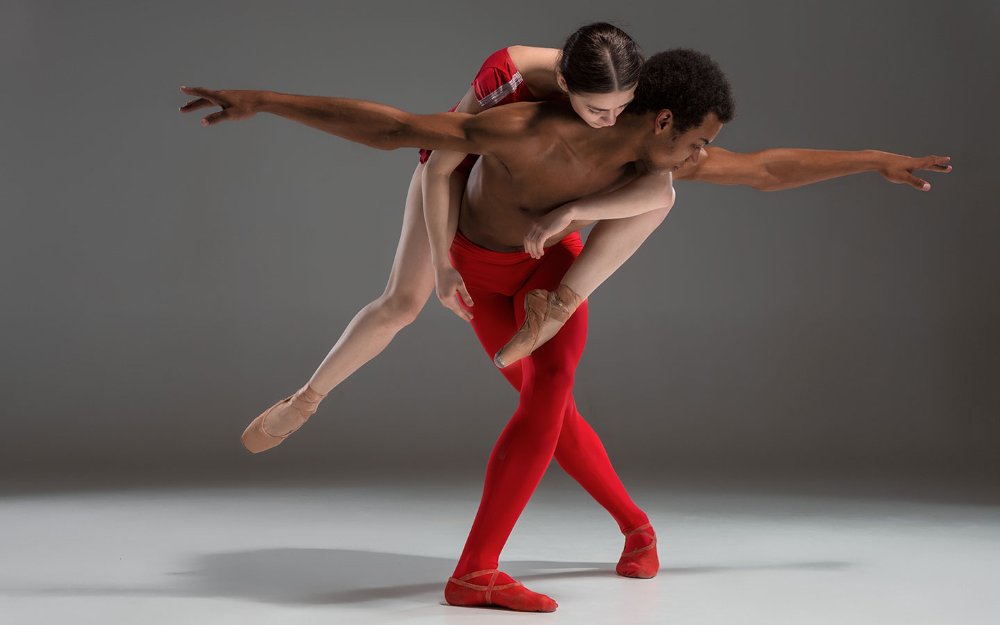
x=639 y=557
x=491 y=587
x=278 y=422
x=545 y=314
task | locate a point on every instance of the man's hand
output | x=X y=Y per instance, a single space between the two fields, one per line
x=551 y=224
x=451 y=287
x=234 y=104
x=899 y=169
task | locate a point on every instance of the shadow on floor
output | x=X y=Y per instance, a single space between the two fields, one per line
x=343 y=576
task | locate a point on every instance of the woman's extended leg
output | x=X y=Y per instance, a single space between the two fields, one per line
x=411 y=282
x=609 y=245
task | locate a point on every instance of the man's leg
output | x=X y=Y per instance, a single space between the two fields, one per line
x=579 y=450
x=525 y=447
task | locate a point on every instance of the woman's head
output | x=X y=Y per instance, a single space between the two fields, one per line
x=598 y=69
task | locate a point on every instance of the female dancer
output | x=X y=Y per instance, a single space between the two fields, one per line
x=597 y=70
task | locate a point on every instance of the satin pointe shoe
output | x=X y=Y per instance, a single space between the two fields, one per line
x=643 y=561
x=509 y=593
x=257 y=438
x=545 y=313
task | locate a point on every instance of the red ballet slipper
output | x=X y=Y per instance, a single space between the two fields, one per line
x=501 y=590
x=641 y=562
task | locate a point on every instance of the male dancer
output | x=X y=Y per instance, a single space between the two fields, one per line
x=536 y=157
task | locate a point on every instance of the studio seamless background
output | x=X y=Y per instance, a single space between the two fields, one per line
x=163 y=282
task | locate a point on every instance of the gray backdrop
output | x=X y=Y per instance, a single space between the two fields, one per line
x=163 y=283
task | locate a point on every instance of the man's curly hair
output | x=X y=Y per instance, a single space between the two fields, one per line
x=688 y=83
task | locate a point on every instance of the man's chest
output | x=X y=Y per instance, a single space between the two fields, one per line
x=536 y=183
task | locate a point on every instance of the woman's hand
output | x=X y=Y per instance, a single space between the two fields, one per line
x=551 y=224
x=239 y=104
x=450 y=288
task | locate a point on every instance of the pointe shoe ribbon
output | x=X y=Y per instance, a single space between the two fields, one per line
x=539 y=306
x=256 y=438
x=643 y=562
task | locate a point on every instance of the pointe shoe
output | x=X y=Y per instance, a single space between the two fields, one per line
x=642 y=562
x=545 y=314
x=256 y=438
x=510 y=594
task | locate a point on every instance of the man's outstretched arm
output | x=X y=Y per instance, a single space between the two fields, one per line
x=787 y=168
x=369 y=123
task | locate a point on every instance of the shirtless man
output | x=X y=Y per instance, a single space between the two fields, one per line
x=536 y=157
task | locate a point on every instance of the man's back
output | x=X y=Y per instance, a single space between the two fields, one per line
x=544 y=156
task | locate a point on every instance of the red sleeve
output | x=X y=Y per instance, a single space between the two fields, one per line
x=497 y=81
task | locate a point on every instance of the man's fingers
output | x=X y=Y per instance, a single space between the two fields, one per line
x=918 y=184
x=198 y=91
x=938 y=163
x=215 y=118
x=195 y=104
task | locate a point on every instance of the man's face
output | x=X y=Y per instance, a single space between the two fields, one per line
x=671 y=151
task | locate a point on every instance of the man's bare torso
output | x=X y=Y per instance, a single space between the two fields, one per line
x=553 y=159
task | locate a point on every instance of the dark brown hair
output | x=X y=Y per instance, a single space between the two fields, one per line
x=600 y=58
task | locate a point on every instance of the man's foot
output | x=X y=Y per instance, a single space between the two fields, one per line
x=639 y=557
x=545 y=314
x=278 y=422
x=493 y=588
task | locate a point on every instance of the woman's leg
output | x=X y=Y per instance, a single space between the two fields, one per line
x=609 y=245
x=411 y=282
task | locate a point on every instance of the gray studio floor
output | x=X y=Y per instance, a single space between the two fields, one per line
x=380 y=553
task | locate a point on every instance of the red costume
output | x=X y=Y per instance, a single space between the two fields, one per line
x=546 y=422
x=498 y=82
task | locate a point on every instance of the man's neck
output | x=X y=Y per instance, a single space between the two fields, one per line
x=629 y=136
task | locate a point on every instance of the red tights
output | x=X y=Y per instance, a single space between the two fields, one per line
x=546 y=421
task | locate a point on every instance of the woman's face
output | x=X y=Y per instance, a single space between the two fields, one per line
x=600 y=109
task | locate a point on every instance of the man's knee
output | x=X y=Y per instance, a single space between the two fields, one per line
x=553 y=372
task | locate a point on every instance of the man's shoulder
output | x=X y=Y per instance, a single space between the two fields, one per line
x=519 y=118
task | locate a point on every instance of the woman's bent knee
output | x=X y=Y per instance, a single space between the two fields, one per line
x=399 y=309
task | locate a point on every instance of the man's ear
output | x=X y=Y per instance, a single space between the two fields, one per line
x=664 y=121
